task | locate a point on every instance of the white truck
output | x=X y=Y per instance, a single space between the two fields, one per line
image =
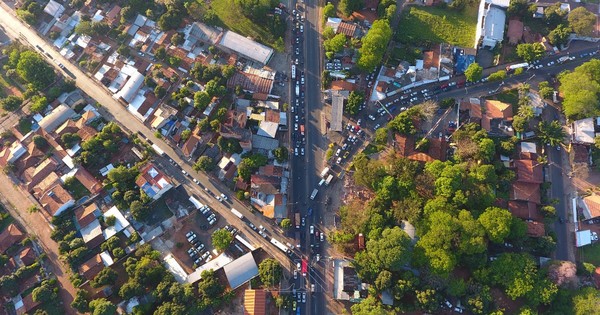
x=324 y=172
x=237 y=213
x=329 y=179
x=297 y=90
x=314 y=194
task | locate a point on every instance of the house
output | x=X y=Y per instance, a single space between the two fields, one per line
x=346 y=28
x=10 y=236
x=27 y=256
x=10 y=154
x=591 y=206
x=32 y=176
x=190 y=145
x=255 y=301
x=515 y=31
x=89 y=269
x=271 y=170
x=529 y=171
x=238 y=44
x=111 y=17
x=342 y=85
x=583 y=131
x=153 y=182
x=86 y=215
x=526 y=192
x=535 y=229
x=490 y=23
x=250 y=82
x=54 y=9
x=25 y=305
x=496 y=113
x=88 y=181
x=56 y=200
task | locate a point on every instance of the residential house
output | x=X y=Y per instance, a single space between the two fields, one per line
x=347 y=28
x=86 y=215
x=266 y=195
x=526 y=192
x=32 y=176
x=584 y=131
x=55 y=200
x=88 y=181
x=92 y=267
x=190 y=145
x=496 y=115
x=525 y=210
x=9 y=237
x=56 y=118
x=437 y=149
x=233 y=127
x=10 y=154
x=490 y=23
x=250 y=82
x=535 y=229
x=25 y=305
x=27 y=256
x=515 y=31
x=153 y=182
x=529 y=171
x=255 y=302
x=112 y=17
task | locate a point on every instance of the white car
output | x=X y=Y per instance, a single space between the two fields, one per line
x=303 y=297
x=302 y=151
x=339 y=160
x=322 y=237
x=371 y=117
x=337 y=153
x=318 y=257
x=377 y=126
x=296 y=151
x=295 y=274
x=312 y=229
x=224 y=197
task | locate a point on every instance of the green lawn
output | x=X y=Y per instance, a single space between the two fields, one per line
x=373 y=148
x=76 y=189
x=418 y=24
x=511 y=97
x=590 y=254
x=233 y=19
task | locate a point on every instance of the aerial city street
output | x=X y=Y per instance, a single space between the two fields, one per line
x=299 y=157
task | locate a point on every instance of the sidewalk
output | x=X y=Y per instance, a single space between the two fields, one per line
x=17 y=203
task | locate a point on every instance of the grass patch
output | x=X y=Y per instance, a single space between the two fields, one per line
x=591 y=253
x=232 y=18
x=373 y=148
x=76 y=188
x=437 y=25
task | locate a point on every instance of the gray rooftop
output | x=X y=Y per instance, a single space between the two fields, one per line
x=241 y=270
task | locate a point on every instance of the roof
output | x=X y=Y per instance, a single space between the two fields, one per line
x=190 y=145
x=342 y=85
x=535 y=229
x=11 y=235
x=591 y=206
x=255 y=302
x=241 y=270
x=473 y=105
x=529 y=171
x=26 y=304
x=515 y=31
x=497 y=109
x=526 y=192
x=583 y=130
x=404 y=144
x=27 y=256
x=120 y=222
x=246 y=47
x=34 y=175
x=337 y=112
x=268 y=129
x=85 y=215
x=56 y=118
x=250 y=82
x=581 y=153
x=151 y=180
x=54 y=9
x=371 y=4
x=205 y=33
x=92 y=232
x=525 y=210
x=494 y=24
x=348 y=29
x=528 y=147
x=271 y=170
x=56 y=199
x=88 y=180
x=92 y=267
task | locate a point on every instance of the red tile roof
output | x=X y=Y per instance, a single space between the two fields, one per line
x=88 y=181
x=526 y=192
x=535 y=229
x=190 y=145
x=529 y=171
x=496 y=109
x=271 y=170
x=91 y=268
x=525 y=210
x=86 y=215
x=11 y=235
x=255 y=302
x=27 y=256
x=348 y=29
x=592 y=203
x=250 y=82
x=515 y=31
x=53 y=199
x=342 y=85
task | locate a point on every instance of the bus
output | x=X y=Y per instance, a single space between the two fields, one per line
x=324 y=172
x=304 y=267
x=158 y=150
x=293 y=71
x=237 y=213
x=279 y=245
x=517 y=66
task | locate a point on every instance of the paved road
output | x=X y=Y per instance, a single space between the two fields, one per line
x=114 y=111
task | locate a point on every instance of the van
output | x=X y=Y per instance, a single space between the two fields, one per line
x=314 y=194
x=321 y=182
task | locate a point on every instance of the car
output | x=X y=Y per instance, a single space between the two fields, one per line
x=376 y=127
x=339 y=160
x=303 y=222
x=302 y=151
x=295 y=274
x=294 y=304
x=302 y=80
x=219 y=198
x=318 y=257
x=414 y=99
x=60 y=65
x=558 y=148
x=337 y=153
x=295 y=127
x=312 y=229
x=301 y=28
x=561 y=219
x=295 y=151
x=322 y=237
x=371 y=117
x=299 y=297
x=224 y=197
x=346 y=154
x=345 y=146
x=303 y=297
x=190 y=233
x=312 y=287
x=297 y=51
x=184 y=172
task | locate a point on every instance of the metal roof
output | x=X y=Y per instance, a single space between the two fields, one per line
x=241 y=270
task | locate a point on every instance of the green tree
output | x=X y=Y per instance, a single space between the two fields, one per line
x=554 y=15
x=391 y=252
x=102 y=306
x=497 y=76
x=281 y=154
x=130 y=289
x=496 y=222
x=138 y=210
x=560 y=35
x=580 y=89
x=551 y=133
x=205 y=164
x=531 y=52
x=44 y=293
x=369 y=306
x=383 y=281
x=473 y=72
x=374 y=44
x=286 y=223
x=177 y=39
x=336 y=43
x=586 y=301
x=328 y=11
x=33 y=69
x=270 y=271
x=349 y=6
x=221 y=239
x=381 y=135
x=80 y=303
x=545 y=90
x=106 y=276
x=40 y=142
x=160 y=53
x=582 y=21
x=38 y=103
x=427 y=299
x=11 y=103
x=70 y=139
x=355 y=100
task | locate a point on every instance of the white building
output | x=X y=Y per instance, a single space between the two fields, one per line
x=490 y=22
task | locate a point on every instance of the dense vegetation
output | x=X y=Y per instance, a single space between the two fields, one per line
x=580 y=89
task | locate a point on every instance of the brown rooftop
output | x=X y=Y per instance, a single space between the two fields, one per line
x=515 y=31
x=11 y=235
x=535 y=229
x=91 y=268
x=525 y=210
x=529 y=171
x=348 y=29
x=526 y=192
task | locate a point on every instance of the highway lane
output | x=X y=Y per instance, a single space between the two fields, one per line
x=114 y=111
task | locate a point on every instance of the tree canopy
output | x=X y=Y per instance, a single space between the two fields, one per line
x=270 y=272
x=355 y=100
x=221 y=239
x=33 y=69
x=374 y=44
x=531 y=52
x=582 y=21
x=580 y=89
x=473 y=72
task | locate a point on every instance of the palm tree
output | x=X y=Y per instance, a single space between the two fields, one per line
x=551 y=133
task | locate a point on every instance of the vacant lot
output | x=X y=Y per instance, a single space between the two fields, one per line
x=438 y=25
x=232 y=18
